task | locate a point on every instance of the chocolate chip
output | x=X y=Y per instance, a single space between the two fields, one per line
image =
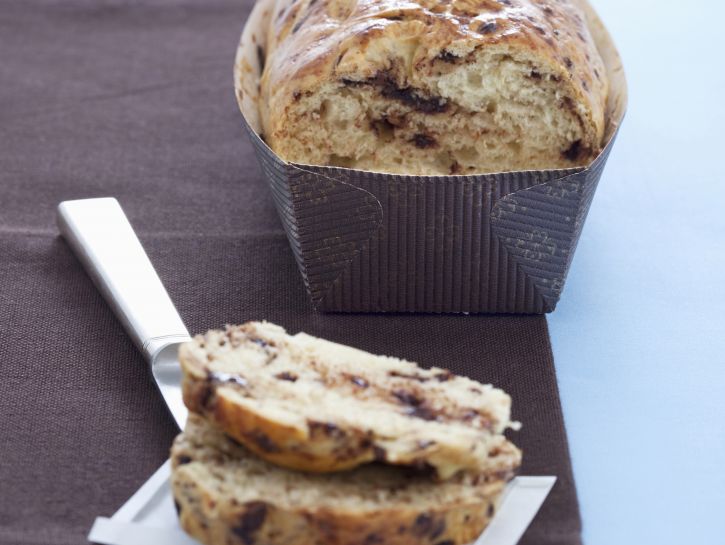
x=233 y=440
x=422 y=525
x=425 y=105
x=260 y=58
x=407 y=398
x=438 y=529
x=327 y=428
x=535 y=75
x=422 y=412
x=488 y=28
x=296 y=96
x=359 y=381
x=205 y=394
x=574 y=151
x=490 y=511
x=416 y=407
x=285 y=375
x=183 y=459
x=447 y=56
x=251 y=521
x=379 y=453
x=568 y=62
x=263 y=441
x=373 y=539
x=540 y=29
x=548 y=10
x=475 y=390
x=352 y=82
x=406 y=95
x=424 y=141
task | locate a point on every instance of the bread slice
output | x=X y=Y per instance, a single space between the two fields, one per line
x=226 y=496
x=430 y=87
x=310 y=404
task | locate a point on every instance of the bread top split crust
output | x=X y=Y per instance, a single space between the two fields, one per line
x=404 y=47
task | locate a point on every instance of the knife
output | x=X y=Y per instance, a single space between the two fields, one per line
x=102 y=238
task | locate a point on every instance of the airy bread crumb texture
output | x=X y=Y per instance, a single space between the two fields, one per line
x=314 y=405
x=427 y=87
x=495 y=114
x=225 y=495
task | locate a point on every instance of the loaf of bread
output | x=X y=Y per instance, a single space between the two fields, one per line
x=313 y=405
x=433 y=86
x=226 y=496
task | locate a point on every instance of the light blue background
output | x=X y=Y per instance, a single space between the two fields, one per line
x=639 y=336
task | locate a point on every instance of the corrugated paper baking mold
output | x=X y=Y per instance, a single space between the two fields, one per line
x=372 y=242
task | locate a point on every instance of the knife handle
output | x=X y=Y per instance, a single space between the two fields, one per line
x=100 y=235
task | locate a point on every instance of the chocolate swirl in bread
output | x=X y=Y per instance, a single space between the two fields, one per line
x=226 y=496
x=433 y=86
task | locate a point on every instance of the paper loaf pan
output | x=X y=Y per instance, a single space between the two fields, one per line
x=373 y=242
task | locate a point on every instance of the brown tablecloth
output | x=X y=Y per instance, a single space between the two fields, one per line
x=134 y=100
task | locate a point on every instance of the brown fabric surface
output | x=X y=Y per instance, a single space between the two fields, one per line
x=134 y=100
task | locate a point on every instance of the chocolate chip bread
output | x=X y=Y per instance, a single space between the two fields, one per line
x=310 y=404
x=432 y=86
x=226 y=496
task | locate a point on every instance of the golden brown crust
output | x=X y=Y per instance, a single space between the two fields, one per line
x=214 y=485
x=311 y=405
x=287 y=446
x=311 y=42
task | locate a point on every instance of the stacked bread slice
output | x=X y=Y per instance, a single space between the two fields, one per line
x=293 y=440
